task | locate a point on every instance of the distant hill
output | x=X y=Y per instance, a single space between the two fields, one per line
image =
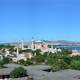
x=57 y=42
x=62 y=42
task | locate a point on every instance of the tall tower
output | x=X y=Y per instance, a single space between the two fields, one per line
x=17 y=51
x=33 y=43
x=51 y=46
x=22 y=45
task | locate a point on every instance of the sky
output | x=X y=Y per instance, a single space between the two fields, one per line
x=41 y=19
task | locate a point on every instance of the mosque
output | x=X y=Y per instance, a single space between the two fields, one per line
x=38 y=44
x=34 y=44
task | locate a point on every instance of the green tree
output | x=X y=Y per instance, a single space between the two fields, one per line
x=55 y=68
x=62 y=65
x=21 y=61
x=1 y=64
x=18 y=72
x=28 y=62
x=75 y=64
x=38 y=52
x=66 y=52
x=67 y=59
x=27 y=51
x=6 y=60
x=39 y=59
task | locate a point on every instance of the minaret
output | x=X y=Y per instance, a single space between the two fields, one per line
x=33 y=44
x=17 y=51
x=22 y=45
x=51 y=46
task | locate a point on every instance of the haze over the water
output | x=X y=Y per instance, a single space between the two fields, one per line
x=43 y=19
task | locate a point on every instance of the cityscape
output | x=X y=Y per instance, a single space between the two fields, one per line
x=39 y=39
x=37 y=54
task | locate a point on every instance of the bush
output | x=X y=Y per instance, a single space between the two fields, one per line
x=21 y=61
x=75 y=64
x=38 y=52
x=39 y=59
x=67 y=60
x=59 y=65
x=55 y=68
x=75 y=57
x=66 y=52
x=28 y=62
x=6 y=60
x=18 y=72
x=1 y=64
x=51 y=61
x=62 y=65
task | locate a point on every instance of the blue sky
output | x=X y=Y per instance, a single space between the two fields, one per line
x=42 y=19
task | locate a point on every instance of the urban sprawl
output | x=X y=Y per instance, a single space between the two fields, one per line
x=38 y=60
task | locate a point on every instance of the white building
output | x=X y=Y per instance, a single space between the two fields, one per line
x=75 y=53
x=1 y=57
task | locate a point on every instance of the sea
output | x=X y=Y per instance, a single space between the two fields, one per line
x=69 y=47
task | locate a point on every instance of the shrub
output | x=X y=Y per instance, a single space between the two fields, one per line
x=67 y=60
x=75 y=64
x=28 y=62
x=55 y=68
x=39 y=59
x=18 y=72
x=21 y=61
x=1 y=64
x=62 y=65
x=6 y=60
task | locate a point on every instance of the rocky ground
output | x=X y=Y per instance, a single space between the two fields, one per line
x=38 y=74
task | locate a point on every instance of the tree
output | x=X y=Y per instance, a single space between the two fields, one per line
x=38 y=52
x=6 y=60
x=6 y=46
x=18 y=72
x=62 y=65
x=28 y=62
x=27 y=51
x=11 y=49
x=75 y=64
x=39 y=59
x=3 y=50
x=21 y=61
x=67 y=60
x=1 y=64
x=55 y=68
x=66 y=52
x=25 y=63
x=46 y=54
